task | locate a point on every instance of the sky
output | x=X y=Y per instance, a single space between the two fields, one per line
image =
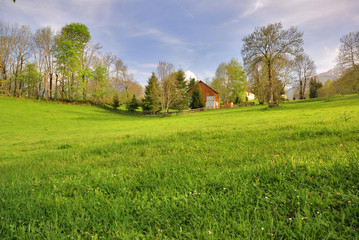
x=193 y=35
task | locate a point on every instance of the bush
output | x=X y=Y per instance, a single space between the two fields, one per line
x=133 y=104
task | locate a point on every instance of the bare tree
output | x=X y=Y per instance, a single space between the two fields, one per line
x=348 y=56
x=43 y=40
x=6 y=45
x=88 y=61
x=304 y=69
x=269 y=45
x=167 y=79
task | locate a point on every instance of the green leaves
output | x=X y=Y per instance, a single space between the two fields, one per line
x=197 y=97
x=230 y=81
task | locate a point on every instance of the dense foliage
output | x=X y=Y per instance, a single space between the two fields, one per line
x=197 y=100
x=314 y=85
x=151 y=102
x=230 y=81
x=133 y=105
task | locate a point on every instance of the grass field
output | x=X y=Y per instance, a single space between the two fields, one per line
x=81 y=172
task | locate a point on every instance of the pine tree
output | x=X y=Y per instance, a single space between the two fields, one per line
x=116 y=102
x=133 y=104
x=191 y=83
x=314 y=85
x=181 y=101
x=151 y=101
x=197 y=98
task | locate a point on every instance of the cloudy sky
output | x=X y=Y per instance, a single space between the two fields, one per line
x=194 y=35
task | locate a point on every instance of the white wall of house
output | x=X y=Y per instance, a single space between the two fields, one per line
x=250 y=96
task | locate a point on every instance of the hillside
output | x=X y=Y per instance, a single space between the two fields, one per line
x=246 y=173
x=329 y=75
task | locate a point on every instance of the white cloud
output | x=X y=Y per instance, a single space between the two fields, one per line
x=157 y=35
x=253 y=8
x=189 y=74
x=148 y=65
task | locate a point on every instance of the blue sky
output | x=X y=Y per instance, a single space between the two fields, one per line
x=194 y=35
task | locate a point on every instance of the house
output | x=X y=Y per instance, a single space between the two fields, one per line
x=211 y=98
x=250 y=96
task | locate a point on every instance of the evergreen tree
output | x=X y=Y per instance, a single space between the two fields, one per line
x=197 y=100
x=116 y=102
x=133 y=104
x=314 y=85
x=181 y=101
x=151 y=102
x=191 y=83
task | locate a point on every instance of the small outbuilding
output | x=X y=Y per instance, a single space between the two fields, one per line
x=211 y=98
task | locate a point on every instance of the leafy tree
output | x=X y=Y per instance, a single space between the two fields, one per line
x=69 y=48
x=116 y=102
x=31 y=79
x=348 y=83
x=167 y=78
x=181 y=101
x=151 y=101
x=270 y=45
x=197 y=100
x=133 y=104
x=237 y=80
x=314 y=85
x=99 y=83
x=230 y=81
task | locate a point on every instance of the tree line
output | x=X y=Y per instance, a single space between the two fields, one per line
x=347 y=67
x=274 y=58
x=65 y=65
x=68 y=66
x=167 y=89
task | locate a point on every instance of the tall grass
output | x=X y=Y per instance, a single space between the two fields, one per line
x=248 y=173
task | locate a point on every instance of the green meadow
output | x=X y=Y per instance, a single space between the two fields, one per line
x=82 y=172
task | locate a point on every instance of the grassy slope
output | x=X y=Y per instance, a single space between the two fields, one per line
x=79 y=171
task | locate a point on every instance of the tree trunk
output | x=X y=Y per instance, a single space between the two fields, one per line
x=56 y=86
x=271 y=95
x=50 y=85
x=304 y=86
x=84 y=88
x=301 y=89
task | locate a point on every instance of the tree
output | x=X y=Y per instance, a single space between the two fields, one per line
x=197 y=100
x=69 y=49
x=269 y=45
x=31 y=79
x=116 y=102
x=133 y=104
x=348 y=56
x=151 y=102
x=304 y=69
x=44 y=39
x=22 y=49
x=191 y=83
x=230 y=81
x=314 y=85
x=167 y=78
x=181 y=97
x=98 y=84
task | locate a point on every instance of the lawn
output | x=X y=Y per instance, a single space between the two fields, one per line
x=82 y=172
